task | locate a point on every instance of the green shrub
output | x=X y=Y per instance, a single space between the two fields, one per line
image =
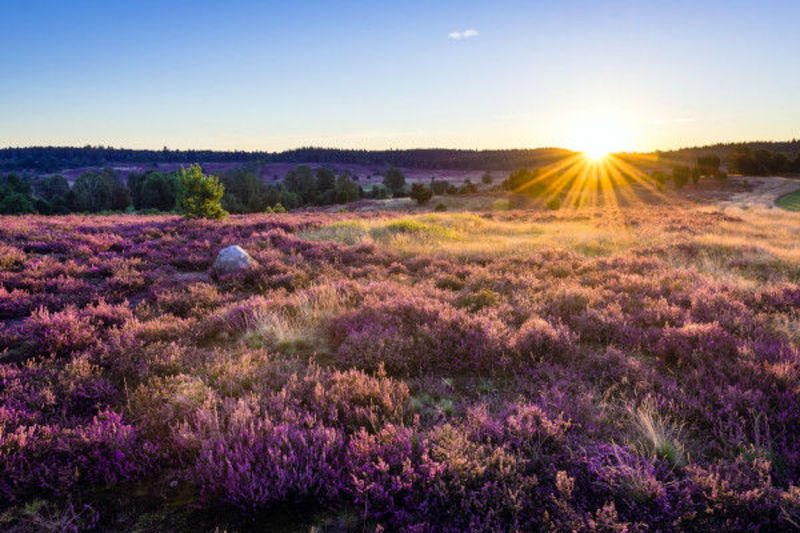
x=501 y=204
x=421 y=193
x=199 y=196
x=14 y=203
x=395 y=181
x=380 y=191
x=554 y=204
x=681 y=176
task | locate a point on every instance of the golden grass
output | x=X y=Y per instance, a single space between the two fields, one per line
x=656 y=436
x=297 y=326
x=753 y=245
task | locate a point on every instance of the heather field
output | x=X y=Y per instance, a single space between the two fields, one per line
x=628 y=369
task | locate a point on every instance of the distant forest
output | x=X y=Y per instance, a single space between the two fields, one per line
x=48 y=159
x=725 y=150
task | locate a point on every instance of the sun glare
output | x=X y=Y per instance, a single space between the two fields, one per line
x=598 y=138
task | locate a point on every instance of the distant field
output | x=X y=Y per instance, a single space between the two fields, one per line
x=789 y=201
x=272 y=172
x=617 y=368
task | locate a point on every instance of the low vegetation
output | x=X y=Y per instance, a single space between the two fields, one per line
x=625 y=370
x=789 y=201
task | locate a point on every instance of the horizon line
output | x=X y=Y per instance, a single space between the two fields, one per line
x=390 y=149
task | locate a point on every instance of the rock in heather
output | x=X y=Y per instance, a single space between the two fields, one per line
x=231 y=260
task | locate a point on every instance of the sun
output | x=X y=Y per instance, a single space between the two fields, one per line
x=597 y=153
x=598 y=137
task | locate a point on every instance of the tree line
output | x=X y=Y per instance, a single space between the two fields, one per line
x=742 y=160
x=240 y=190
x=48 y=159
x=762 y=162
x=791 y=148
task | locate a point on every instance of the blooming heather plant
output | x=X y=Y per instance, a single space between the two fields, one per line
x=492 y=372
x=250 y=458
x=412 y=335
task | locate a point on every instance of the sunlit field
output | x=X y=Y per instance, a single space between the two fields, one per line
x=632 y=368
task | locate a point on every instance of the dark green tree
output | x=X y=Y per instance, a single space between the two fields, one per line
x=14 y=203
x=695 y=175
x=395 y=181
x=15 y=198
x=468 y=188
x=301 y=182
x=681 y=176
x=159 y=191
x=525 y=181
x=51 y=188
x=439 y=187
x=16 y=184
x=100 y=191
x=421 y=193
x=244 y=191
x=708 y=165
x=92 y=192
x=326 y=179
x=346 y=190
x=380 y=191
x=660 y=177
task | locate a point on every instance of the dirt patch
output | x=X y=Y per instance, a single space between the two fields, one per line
x=764 y=192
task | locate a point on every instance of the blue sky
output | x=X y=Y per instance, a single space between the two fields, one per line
x=277 y=75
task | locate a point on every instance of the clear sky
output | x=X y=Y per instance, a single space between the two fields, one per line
x=469 y=74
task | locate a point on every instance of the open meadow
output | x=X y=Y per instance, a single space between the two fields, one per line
x=593 y=369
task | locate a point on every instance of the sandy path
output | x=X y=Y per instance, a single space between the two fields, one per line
x=766 y=190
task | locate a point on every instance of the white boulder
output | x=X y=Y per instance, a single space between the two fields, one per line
x=231 y=260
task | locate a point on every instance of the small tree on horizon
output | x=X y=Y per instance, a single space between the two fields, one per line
x=708 y=165
x=199 y=195
x=421 y=193
x=395 y=181
x=681 y=176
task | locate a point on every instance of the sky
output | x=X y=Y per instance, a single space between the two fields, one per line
x=260 y=75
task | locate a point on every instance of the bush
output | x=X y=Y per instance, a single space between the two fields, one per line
x=438 y=187
x=554 y=204
x=346 y=190
x=440 y=207
x=525 y=181
x=708 y=165
x=158 y=192
x=14 y=203
x=100 y=191
x=199 y=195
x=659 y=177
x=681 y=176
x=421 y=193
x=380 y=191
x=468 y=188
x=395 y=181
